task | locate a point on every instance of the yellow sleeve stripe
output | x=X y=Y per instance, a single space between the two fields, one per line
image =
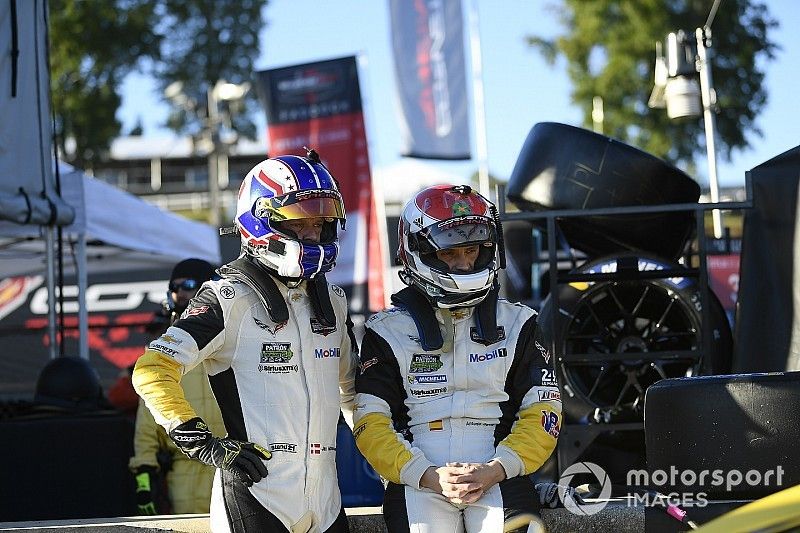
x=156 y=379
x=528 y=437
x=381 y=445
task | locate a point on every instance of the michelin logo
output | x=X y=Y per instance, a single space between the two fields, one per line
x=435 y=378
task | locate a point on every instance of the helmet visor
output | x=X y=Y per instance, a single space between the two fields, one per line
x=300 y=204
x=461 y=231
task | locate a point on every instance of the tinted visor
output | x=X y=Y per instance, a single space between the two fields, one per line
x=300 y=204
x=456 y=232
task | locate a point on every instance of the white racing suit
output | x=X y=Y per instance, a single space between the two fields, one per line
x=277 y=385
x=469 y=402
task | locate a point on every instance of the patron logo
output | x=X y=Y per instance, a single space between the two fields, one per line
x=283 y=447
x=320 y=329
x=424 y=393
x=494 y=354
x=425 y=378
x=473 y=334
x=320 y=353
x=424 y=363
x=276 y=352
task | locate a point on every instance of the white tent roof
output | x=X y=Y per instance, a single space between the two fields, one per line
x=122 y=231
x=402 y=180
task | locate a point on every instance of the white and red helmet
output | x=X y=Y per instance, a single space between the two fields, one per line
x=447 y=216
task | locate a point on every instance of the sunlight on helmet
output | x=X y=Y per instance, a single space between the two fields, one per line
x=280 y=195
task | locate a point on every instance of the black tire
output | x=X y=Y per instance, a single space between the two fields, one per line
x=564 y=167
x=652 y=316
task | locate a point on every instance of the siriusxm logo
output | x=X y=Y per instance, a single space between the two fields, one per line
x=494 y=354
x=320 y=353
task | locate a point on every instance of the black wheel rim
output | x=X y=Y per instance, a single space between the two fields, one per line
x=625 y=318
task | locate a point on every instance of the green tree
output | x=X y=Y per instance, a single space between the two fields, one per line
x=93 y=46
x=206 y=41
x=609 y=47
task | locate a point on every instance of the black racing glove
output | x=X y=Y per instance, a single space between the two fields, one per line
x=146 y=484
x=244 y=459
x=552 y=494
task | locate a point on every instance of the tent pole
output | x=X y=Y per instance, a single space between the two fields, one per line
x=51 y=289
x=83 y=312
x=479 y=107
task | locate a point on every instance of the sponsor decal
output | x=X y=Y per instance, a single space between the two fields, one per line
x=549 y=377
x=358 y=431
x=436 y=425
x=320 y=329
x=425 y=363
x=286 y=447
x=272 y=329
x=278 y=369
x=425 y=378
x=414 y=338
x=337 y=291
x=461 y=208
x=551 y=423
x=316 y=448
x=481 y=424
x=276 y=352
x=324 y=353
x=170 y=339
x=481 y=357
x=424 y=393
x=454 y=222
x=473 y=334
x=163 y=349
x=544 y=352
x=194 y=311
x=546 y=395
x=227 y=292
x=368 y=363
x=460 y=313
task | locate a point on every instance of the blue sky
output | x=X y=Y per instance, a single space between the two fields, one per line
x=520 y=88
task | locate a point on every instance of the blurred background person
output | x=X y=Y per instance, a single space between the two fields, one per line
x=157 y=463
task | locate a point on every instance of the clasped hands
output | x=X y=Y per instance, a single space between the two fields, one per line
x=463 y=482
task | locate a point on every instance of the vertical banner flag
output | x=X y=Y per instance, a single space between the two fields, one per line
x=318 y=105
x=428 y=46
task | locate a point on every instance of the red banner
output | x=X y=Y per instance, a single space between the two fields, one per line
x=318 y=105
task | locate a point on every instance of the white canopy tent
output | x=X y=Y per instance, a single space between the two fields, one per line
x=112 y=231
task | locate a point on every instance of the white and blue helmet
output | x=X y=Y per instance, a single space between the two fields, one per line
x=289 y=187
